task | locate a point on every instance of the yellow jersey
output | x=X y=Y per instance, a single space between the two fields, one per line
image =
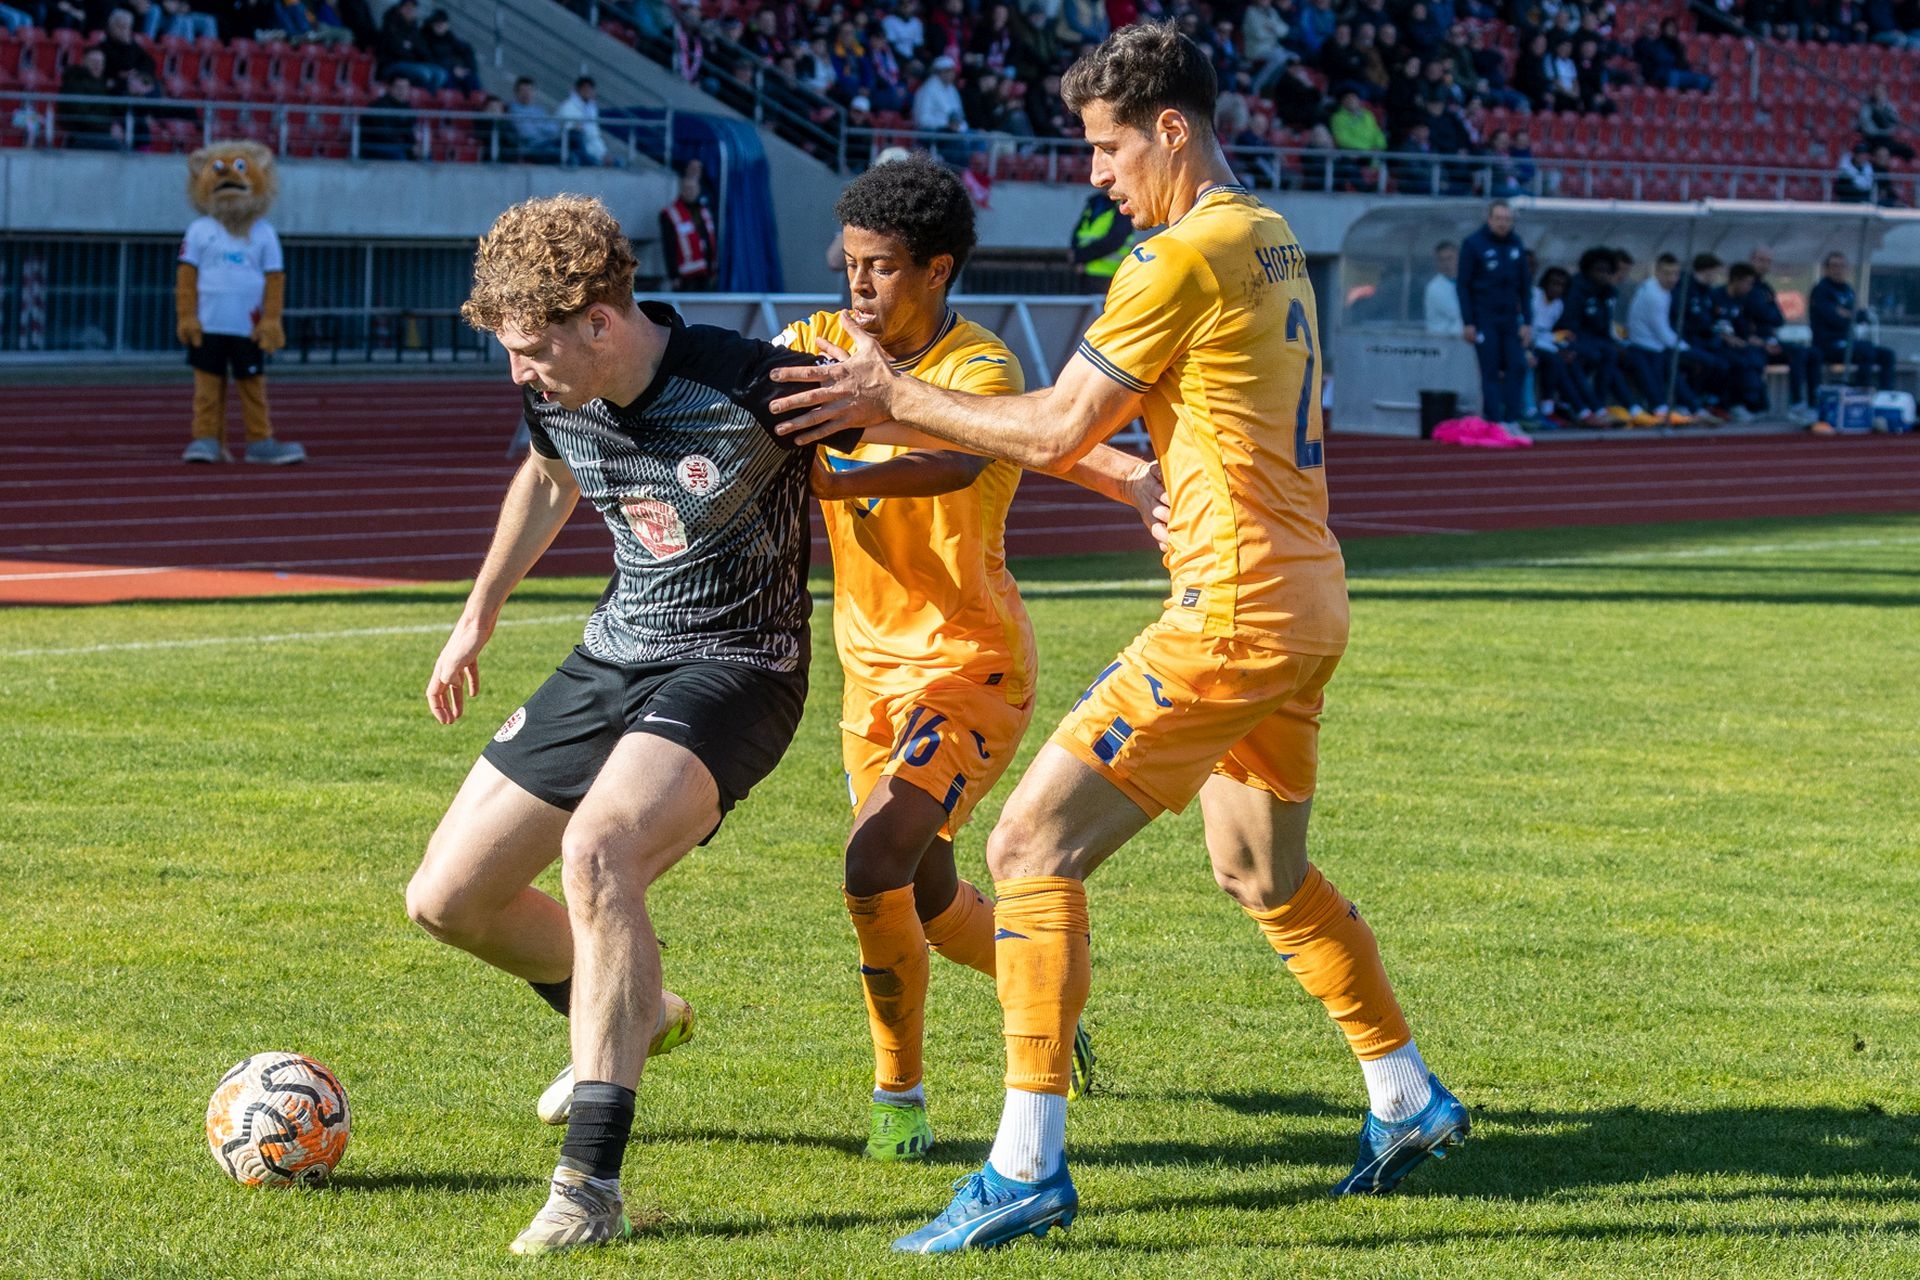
x=920 y=585
x=1213 y=321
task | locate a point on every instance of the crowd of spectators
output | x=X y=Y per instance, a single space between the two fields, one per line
x=1690 y=343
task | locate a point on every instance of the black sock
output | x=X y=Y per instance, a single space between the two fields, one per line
x=558 y=994
x=598 y=1128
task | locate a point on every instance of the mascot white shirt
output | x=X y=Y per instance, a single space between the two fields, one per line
x=233 y=272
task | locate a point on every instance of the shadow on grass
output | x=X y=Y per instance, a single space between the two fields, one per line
x=440 y=1180
x=1815 y=1153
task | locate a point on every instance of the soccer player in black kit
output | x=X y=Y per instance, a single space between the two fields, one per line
x=684 y=692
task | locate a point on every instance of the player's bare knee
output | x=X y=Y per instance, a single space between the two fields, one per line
x=439 y=909
x=1014 y=851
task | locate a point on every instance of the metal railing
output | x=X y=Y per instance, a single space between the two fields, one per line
x=1006 y=158
x=81 y=122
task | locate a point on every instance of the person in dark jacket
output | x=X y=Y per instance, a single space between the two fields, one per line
x=449 y=52
x=1832 y=313
x=1589 y=315
x=1496 y=304
x=1760 y=321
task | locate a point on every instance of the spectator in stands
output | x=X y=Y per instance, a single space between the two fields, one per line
x=1563 y=79
x=1297 y=100
x=89 y=126
x=1449 y=135
x=1048 y=111
x=1533 y=73
x=1879 y=123
x=1593 y=77
x=860 y=124
x=690 y=236
x=1315 y=28
x=689 y=42
x=402 y=49
x=1441 y=306
x=1854 y=181
x=1080 y=24
x=1564 y=394
x=450 y=53
x=886 y=75
x=1526 y=173
x=1835 y=316
x=1885 y=193
x=1502 y=172
x=1591 y=299
x=1345 y=67
x=1654 y=345
x=1263 y=34
x=852 y=74
x=1425 y=32
x=1373 y=69
x=1415 y=168
x=1490 y=82
x=182 y=21
x=122 y=53
x=1355 y=130
x=148 y=17
x=579 y=115
x=1436 y=81
x=312 y=22
x=1662 y=59
x=1760 y=321
x=141 y=88
x=904 y=30
x=1496 y=304
x=937 y=107
x=1883 y=25
x=1252 y=151
x=1406 y=104
x=814 y=68
x=535 y=135
x=949 y=32
x=390 y=129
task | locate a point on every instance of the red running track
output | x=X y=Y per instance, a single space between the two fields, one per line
x=406 y=478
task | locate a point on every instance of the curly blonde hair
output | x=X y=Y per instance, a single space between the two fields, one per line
x=546 y=260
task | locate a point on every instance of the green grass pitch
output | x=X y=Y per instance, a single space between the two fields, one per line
x=1633 y=811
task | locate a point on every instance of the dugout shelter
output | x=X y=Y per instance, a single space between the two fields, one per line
x=1383 y=356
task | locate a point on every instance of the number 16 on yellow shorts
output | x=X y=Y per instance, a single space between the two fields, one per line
x=951 y=741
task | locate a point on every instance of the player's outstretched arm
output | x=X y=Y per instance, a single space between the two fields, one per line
x=924 y=473
x=1128 y=478
x=1047 y=430
x=536 y=507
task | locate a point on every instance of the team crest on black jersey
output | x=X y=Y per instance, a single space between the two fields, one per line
x=697 y=474
x=657 y=524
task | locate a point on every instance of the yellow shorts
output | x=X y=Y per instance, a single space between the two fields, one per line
x=1177 y=706
x=953 y=741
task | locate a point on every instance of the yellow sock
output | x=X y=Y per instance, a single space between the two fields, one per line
x=1330 y=949
x=1043 y=971
x=893 y=971
x=963 y=933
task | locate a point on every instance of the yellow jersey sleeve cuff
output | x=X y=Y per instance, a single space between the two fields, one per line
x=1111 y=369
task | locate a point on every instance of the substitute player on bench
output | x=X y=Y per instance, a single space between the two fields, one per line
x=939 y=686
x=1209 y=330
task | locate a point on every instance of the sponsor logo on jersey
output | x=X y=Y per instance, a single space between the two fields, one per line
x=515 y=722
x=697 y=474
x=657 y=524
x=1190 y=597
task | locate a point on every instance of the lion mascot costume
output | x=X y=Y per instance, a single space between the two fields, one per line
x=229 y=293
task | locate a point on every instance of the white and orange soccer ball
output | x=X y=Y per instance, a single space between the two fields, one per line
x=278 y=1119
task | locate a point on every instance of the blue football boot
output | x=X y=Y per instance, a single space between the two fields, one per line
x=1388 y=1152
x=989 y=1210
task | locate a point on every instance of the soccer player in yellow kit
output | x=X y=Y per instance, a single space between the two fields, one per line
x=934 y=642
x=1209 y=332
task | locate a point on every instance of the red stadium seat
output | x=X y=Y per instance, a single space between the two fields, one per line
x=11 y=54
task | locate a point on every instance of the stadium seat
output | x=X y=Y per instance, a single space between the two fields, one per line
x=11 y=53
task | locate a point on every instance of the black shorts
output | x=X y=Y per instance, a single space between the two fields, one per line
x=227 y=355
x=735 y=718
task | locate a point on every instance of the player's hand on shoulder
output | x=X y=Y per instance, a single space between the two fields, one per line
x=456 y=673
x=851 y=389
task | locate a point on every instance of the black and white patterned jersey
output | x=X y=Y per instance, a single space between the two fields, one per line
x=707 y=505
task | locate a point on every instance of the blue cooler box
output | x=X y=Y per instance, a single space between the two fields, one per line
x=1847 y=408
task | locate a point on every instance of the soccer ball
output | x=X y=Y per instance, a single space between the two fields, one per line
x=276 y=1119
